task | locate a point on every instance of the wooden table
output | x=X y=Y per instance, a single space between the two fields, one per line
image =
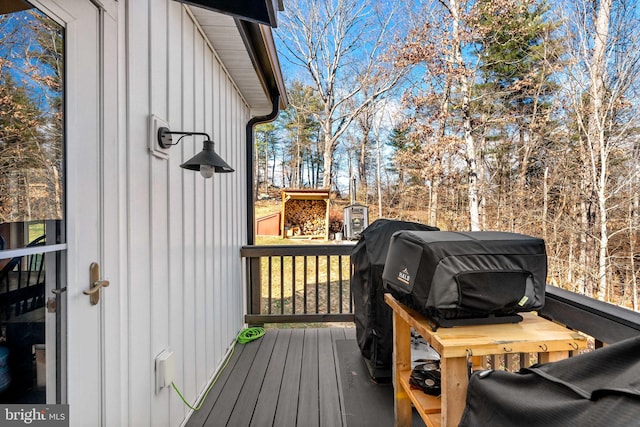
x=532 y=335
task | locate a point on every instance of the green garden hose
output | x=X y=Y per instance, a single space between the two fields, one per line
x=245 y=336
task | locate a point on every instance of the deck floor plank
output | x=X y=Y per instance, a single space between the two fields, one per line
x=199 y=418
x=328 y=380
x=264 y=413
x=308 y=409
x=246 y=403
x=287 y=409
x=221 y=412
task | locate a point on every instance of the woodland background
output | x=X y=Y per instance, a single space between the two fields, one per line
x=513 y=115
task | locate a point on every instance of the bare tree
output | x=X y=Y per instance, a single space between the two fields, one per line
x=444 y=101
x=341 y=46
x=601 y=83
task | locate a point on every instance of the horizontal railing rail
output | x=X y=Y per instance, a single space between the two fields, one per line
x=606 y=323
x=298 y=283
x=311 y=283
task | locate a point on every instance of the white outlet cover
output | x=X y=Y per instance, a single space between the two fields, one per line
x=164 y=369
x=156 y=123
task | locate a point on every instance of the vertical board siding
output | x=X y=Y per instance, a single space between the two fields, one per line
x=199 y=301
x=138 y=233
x=208 y=298
x=159 y=286
x=219 y=343
x=188 y=387
x=183 y=234
x=176 y=238
x=224 y=203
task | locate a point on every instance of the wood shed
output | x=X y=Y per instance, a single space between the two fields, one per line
x=305 y=213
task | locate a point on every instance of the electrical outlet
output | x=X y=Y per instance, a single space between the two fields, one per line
x=156 y=123
x=164 y=369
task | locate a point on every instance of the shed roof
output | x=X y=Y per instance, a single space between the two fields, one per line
x=305 y=193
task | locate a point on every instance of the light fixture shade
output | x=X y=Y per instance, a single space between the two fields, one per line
x=207 y=157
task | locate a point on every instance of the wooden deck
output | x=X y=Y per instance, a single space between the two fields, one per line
x=297 y=377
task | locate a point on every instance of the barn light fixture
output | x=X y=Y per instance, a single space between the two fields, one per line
x=206 y=161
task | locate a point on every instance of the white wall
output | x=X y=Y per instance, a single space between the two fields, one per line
x=181 y=234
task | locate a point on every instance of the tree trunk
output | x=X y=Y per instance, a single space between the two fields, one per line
x=378 y=178
x=327 y=155
x=545 y=203
x=582 y=257
x=596 y=136
x=635 y=205
x=433 y=203
x=362 y=163
x=472 y=166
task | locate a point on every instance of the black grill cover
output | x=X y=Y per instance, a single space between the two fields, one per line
x=466 y=275
x=373 y=318
x=600 y=388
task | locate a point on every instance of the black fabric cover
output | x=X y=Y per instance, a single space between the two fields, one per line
x=600 y=388
x=466 y=275
x=373 y=318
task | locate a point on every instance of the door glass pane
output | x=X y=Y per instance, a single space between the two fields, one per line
x=31 y=203
x=31 y=125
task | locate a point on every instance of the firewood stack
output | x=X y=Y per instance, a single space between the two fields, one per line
x=308 y=215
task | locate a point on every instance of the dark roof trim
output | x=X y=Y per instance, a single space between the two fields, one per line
x=260 y=45
x=11 y=6
x=258 y=11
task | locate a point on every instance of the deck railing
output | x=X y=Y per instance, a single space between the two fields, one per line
x=298 y=283
x=606 y=323
x=311 y=283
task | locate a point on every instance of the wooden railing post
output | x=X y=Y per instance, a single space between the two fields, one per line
x=255 y=284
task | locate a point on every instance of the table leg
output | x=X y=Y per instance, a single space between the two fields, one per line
x=401 y=362
x=454 y=389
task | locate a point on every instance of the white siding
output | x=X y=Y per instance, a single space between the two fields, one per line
x=181 y=235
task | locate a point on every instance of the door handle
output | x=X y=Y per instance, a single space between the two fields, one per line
x=95 y=284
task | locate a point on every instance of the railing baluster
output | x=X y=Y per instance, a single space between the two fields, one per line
x=293 y=284
x=254 y=280
x=304 y=274
x=317 y=281
x=281 y=284
x=351 y=270
x=270 y=285
x=340 y=282
x=328 y=285
x=508 y=365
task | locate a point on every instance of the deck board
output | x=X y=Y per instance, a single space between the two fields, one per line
x=329 y=400
x=287 y=409
x=199 y=418
x=246 y=403
x=308 y=409
x=221 y=411
x=265 y=411
x=290 y=377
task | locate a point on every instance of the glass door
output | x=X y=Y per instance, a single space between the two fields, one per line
x=32 y=200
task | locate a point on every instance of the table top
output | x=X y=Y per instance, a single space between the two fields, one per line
x=532 y=335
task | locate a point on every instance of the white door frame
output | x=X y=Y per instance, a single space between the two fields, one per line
x=95 y=388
